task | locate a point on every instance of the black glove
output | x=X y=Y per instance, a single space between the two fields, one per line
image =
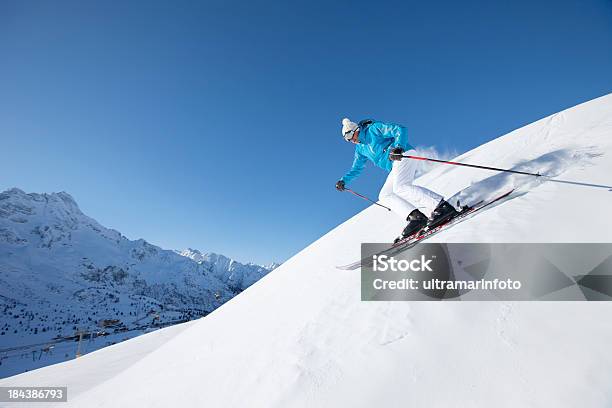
x=340 y=185
x=396 y=154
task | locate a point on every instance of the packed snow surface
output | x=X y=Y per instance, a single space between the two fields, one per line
x=301 y=337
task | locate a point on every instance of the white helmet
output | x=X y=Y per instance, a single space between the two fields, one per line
x=348 y=129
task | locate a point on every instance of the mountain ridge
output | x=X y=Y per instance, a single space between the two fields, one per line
x=61 y=271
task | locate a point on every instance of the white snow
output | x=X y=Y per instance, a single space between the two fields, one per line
x=301 y=337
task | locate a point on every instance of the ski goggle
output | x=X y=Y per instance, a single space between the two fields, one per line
x=348 y=135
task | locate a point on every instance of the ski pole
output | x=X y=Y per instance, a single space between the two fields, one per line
x=471 y=165
x=366 y=198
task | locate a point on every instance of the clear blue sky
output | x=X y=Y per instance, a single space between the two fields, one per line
x=215 y=124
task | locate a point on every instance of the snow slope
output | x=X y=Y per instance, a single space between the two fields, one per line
x=301 y=337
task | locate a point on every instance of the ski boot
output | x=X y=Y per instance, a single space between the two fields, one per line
x=443 y=212
x=416 y=222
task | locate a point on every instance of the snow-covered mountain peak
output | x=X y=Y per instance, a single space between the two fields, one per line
x=57 y=201
x=47 y=219
x=273 y=265
x=227 y=268
x=219 y=259
x=191 y=253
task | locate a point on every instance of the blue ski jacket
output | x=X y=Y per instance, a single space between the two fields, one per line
x=376 y=140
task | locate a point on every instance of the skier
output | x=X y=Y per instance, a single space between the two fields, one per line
x=384 y=144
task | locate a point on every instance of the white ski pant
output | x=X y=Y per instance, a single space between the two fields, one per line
x=399 y=194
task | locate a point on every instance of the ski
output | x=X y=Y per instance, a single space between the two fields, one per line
x=414 y=239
